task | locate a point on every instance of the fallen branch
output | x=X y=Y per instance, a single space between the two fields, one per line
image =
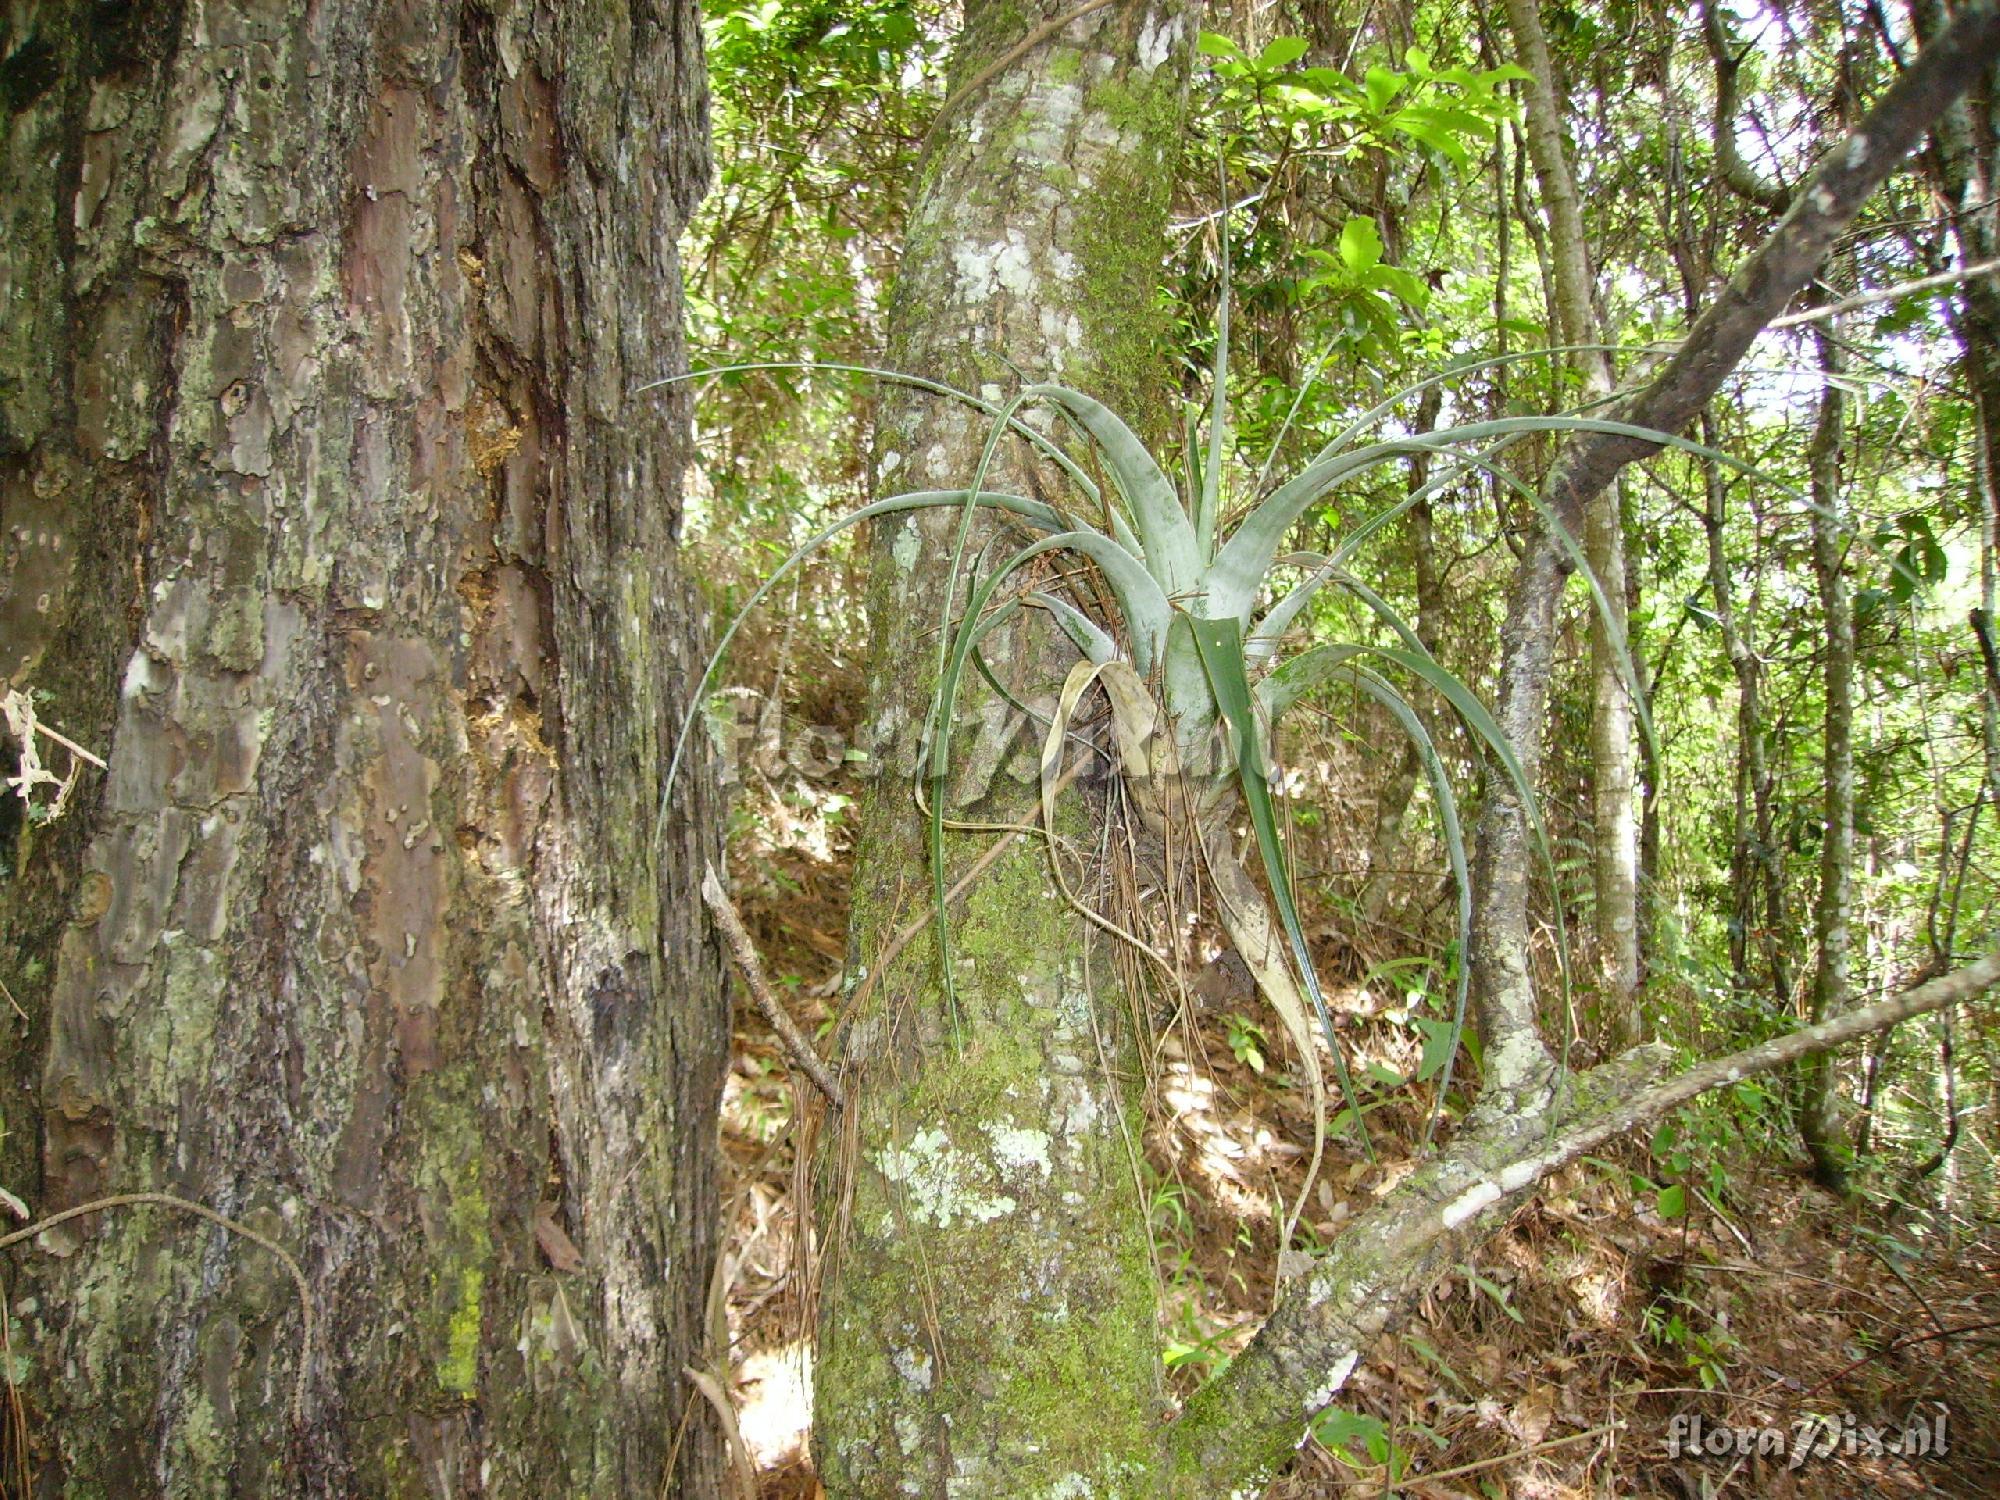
x=1245 y=1422
x=744 y=951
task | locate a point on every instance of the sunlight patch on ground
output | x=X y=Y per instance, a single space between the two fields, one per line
x=774 y=1403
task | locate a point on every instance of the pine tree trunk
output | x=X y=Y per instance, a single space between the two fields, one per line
x=334 y=521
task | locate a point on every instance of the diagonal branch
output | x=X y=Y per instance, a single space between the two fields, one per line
x=1821 y=210
x=1758 y=292
x=1244 y=1424
x=1241 y=1426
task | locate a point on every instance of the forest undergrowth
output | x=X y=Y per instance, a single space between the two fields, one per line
x=1699 y=1276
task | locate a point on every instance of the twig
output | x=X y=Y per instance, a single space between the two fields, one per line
x=202 y=1211
x=1921 y=1338
x=72 y=746
x=745 y=953
x=1528 y=1452
x=1886 y=294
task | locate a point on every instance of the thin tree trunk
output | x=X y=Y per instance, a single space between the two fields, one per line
x=1613 y=750
x=1755 y=862
x=1386 y=847
x=1819 y=1111
x=356 y=556
x=1964 y=163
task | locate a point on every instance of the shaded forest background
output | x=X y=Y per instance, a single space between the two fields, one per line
x=1387 y=222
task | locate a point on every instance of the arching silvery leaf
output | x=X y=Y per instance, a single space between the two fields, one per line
x=1379 y=688
x=1166 y=537
x=1033 y=511
x=1221 y=645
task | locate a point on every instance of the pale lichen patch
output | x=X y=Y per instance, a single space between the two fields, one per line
x=1336 y=1378
x=941 y=1182
x=1156 y=41
x=908 y=546
x=1018 y=1149
x=914 y=1366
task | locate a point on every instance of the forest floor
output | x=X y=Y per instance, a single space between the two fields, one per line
x=1690 y=1290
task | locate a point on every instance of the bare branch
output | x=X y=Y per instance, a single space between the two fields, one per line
x=1887 y=294
x=1820 y=212
x=1947 y=989
x=794 y=1041
x=1246 y=1421
x=1737 y=174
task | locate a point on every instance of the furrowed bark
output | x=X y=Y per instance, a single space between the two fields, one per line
x=355 y=554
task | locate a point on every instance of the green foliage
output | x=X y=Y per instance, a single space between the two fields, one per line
x=1247 y=1042
x=1380 y=194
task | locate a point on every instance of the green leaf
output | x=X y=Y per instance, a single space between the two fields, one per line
x=1281 y=52
x=1214 y=44
x=1360 y=244
x=1383 y=86
x=1420 y=127
x=1220 y=643
x=1089 y=637
x=1494 y=1290
x=1402 y=283
x=1673 y=1201
x=1346 y=1433
x=1440 y=1043
x=1330 y=82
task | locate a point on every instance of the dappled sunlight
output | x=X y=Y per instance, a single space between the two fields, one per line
x=773 y=1390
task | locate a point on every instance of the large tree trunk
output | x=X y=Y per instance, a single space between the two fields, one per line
x=332 y=519
x=989 y=1322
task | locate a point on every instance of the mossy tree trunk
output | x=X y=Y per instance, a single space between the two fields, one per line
x=331 y=518
x=988 y=1326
